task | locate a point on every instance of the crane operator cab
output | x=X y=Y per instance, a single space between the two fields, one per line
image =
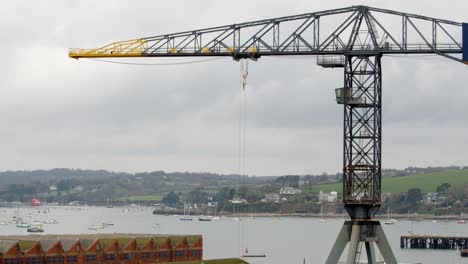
x=349 y=96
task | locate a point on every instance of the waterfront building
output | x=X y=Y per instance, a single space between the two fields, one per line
x=100 y=249
x=272 y=198
x=328 y=197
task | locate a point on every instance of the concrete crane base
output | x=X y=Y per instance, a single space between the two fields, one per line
x=355 y=232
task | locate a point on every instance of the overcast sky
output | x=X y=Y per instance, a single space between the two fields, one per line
x=60 y=112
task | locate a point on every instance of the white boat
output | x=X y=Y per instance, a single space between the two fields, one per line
x=434 y=221
x=36 y=223
x=186 y=217
x=3 y=223
x=390 y=221
x=204 y=218
x=109 y=203
x=216 y=218
x=93 y=227
x=321 y=215
x=51 y=221
x=461 y=221
x=22 y=225
x=35 y=229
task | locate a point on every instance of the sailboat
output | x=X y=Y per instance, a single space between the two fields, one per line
x=186 y=217
x=234 y=217
x=109 y=203
x=51 y=221
x=203 y=217
x=321 y=215
x=389 y=221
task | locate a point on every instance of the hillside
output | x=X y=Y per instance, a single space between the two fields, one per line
x=427 y=182
x=96 y=186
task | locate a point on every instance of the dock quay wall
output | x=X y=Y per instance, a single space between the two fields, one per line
x=433 y=242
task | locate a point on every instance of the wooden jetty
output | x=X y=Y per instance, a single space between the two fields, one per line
x=433 y=242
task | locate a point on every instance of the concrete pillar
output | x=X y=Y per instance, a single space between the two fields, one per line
x=353 y=244
x=356 y=232
x=370 y=253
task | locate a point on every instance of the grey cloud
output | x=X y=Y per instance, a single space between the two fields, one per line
x=58 y=112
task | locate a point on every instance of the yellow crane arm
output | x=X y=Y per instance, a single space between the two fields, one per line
x=127 y=48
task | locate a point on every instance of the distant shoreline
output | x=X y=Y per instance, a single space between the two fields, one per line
x=378 y=217
x=337 y=216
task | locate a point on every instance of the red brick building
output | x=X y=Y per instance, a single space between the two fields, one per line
x=99 y=249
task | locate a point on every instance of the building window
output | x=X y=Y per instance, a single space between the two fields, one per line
x=12 y=261
x=163 y=254
x=195 y=253
x=179 y=253
x=109 y=257
x=33 y=260
x=146 y=255
x=128 y=256
x=72 y=259
x=54 y=260
x=91 y=258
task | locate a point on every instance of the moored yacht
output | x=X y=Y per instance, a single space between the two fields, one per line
x=51 y=221
x=205 y=218
x=22 y=225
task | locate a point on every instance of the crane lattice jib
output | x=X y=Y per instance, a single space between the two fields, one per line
x=305 y=34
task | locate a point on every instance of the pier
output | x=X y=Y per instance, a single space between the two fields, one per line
x=432 y=242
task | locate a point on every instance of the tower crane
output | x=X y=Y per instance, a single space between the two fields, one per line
x=353 y=38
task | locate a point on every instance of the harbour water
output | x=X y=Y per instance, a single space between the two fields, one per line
x=283 y=240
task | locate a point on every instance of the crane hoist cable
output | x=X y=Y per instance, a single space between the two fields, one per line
x=242 y=121
x=245 y=74
x=244 y=64
x=157 y=64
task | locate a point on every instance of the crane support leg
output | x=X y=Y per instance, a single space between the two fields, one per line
x=354 y=233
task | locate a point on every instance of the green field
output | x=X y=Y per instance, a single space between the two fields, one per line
x=152 y=197
x=156 y=197
x=54 y=193
x=426 y=182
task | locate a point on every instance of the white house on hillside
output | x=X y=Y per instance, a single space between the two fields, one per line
x=289 y=191
x=328 y=197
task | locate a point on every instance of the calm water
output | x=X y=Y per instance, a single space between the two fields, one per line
x=286 y=240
